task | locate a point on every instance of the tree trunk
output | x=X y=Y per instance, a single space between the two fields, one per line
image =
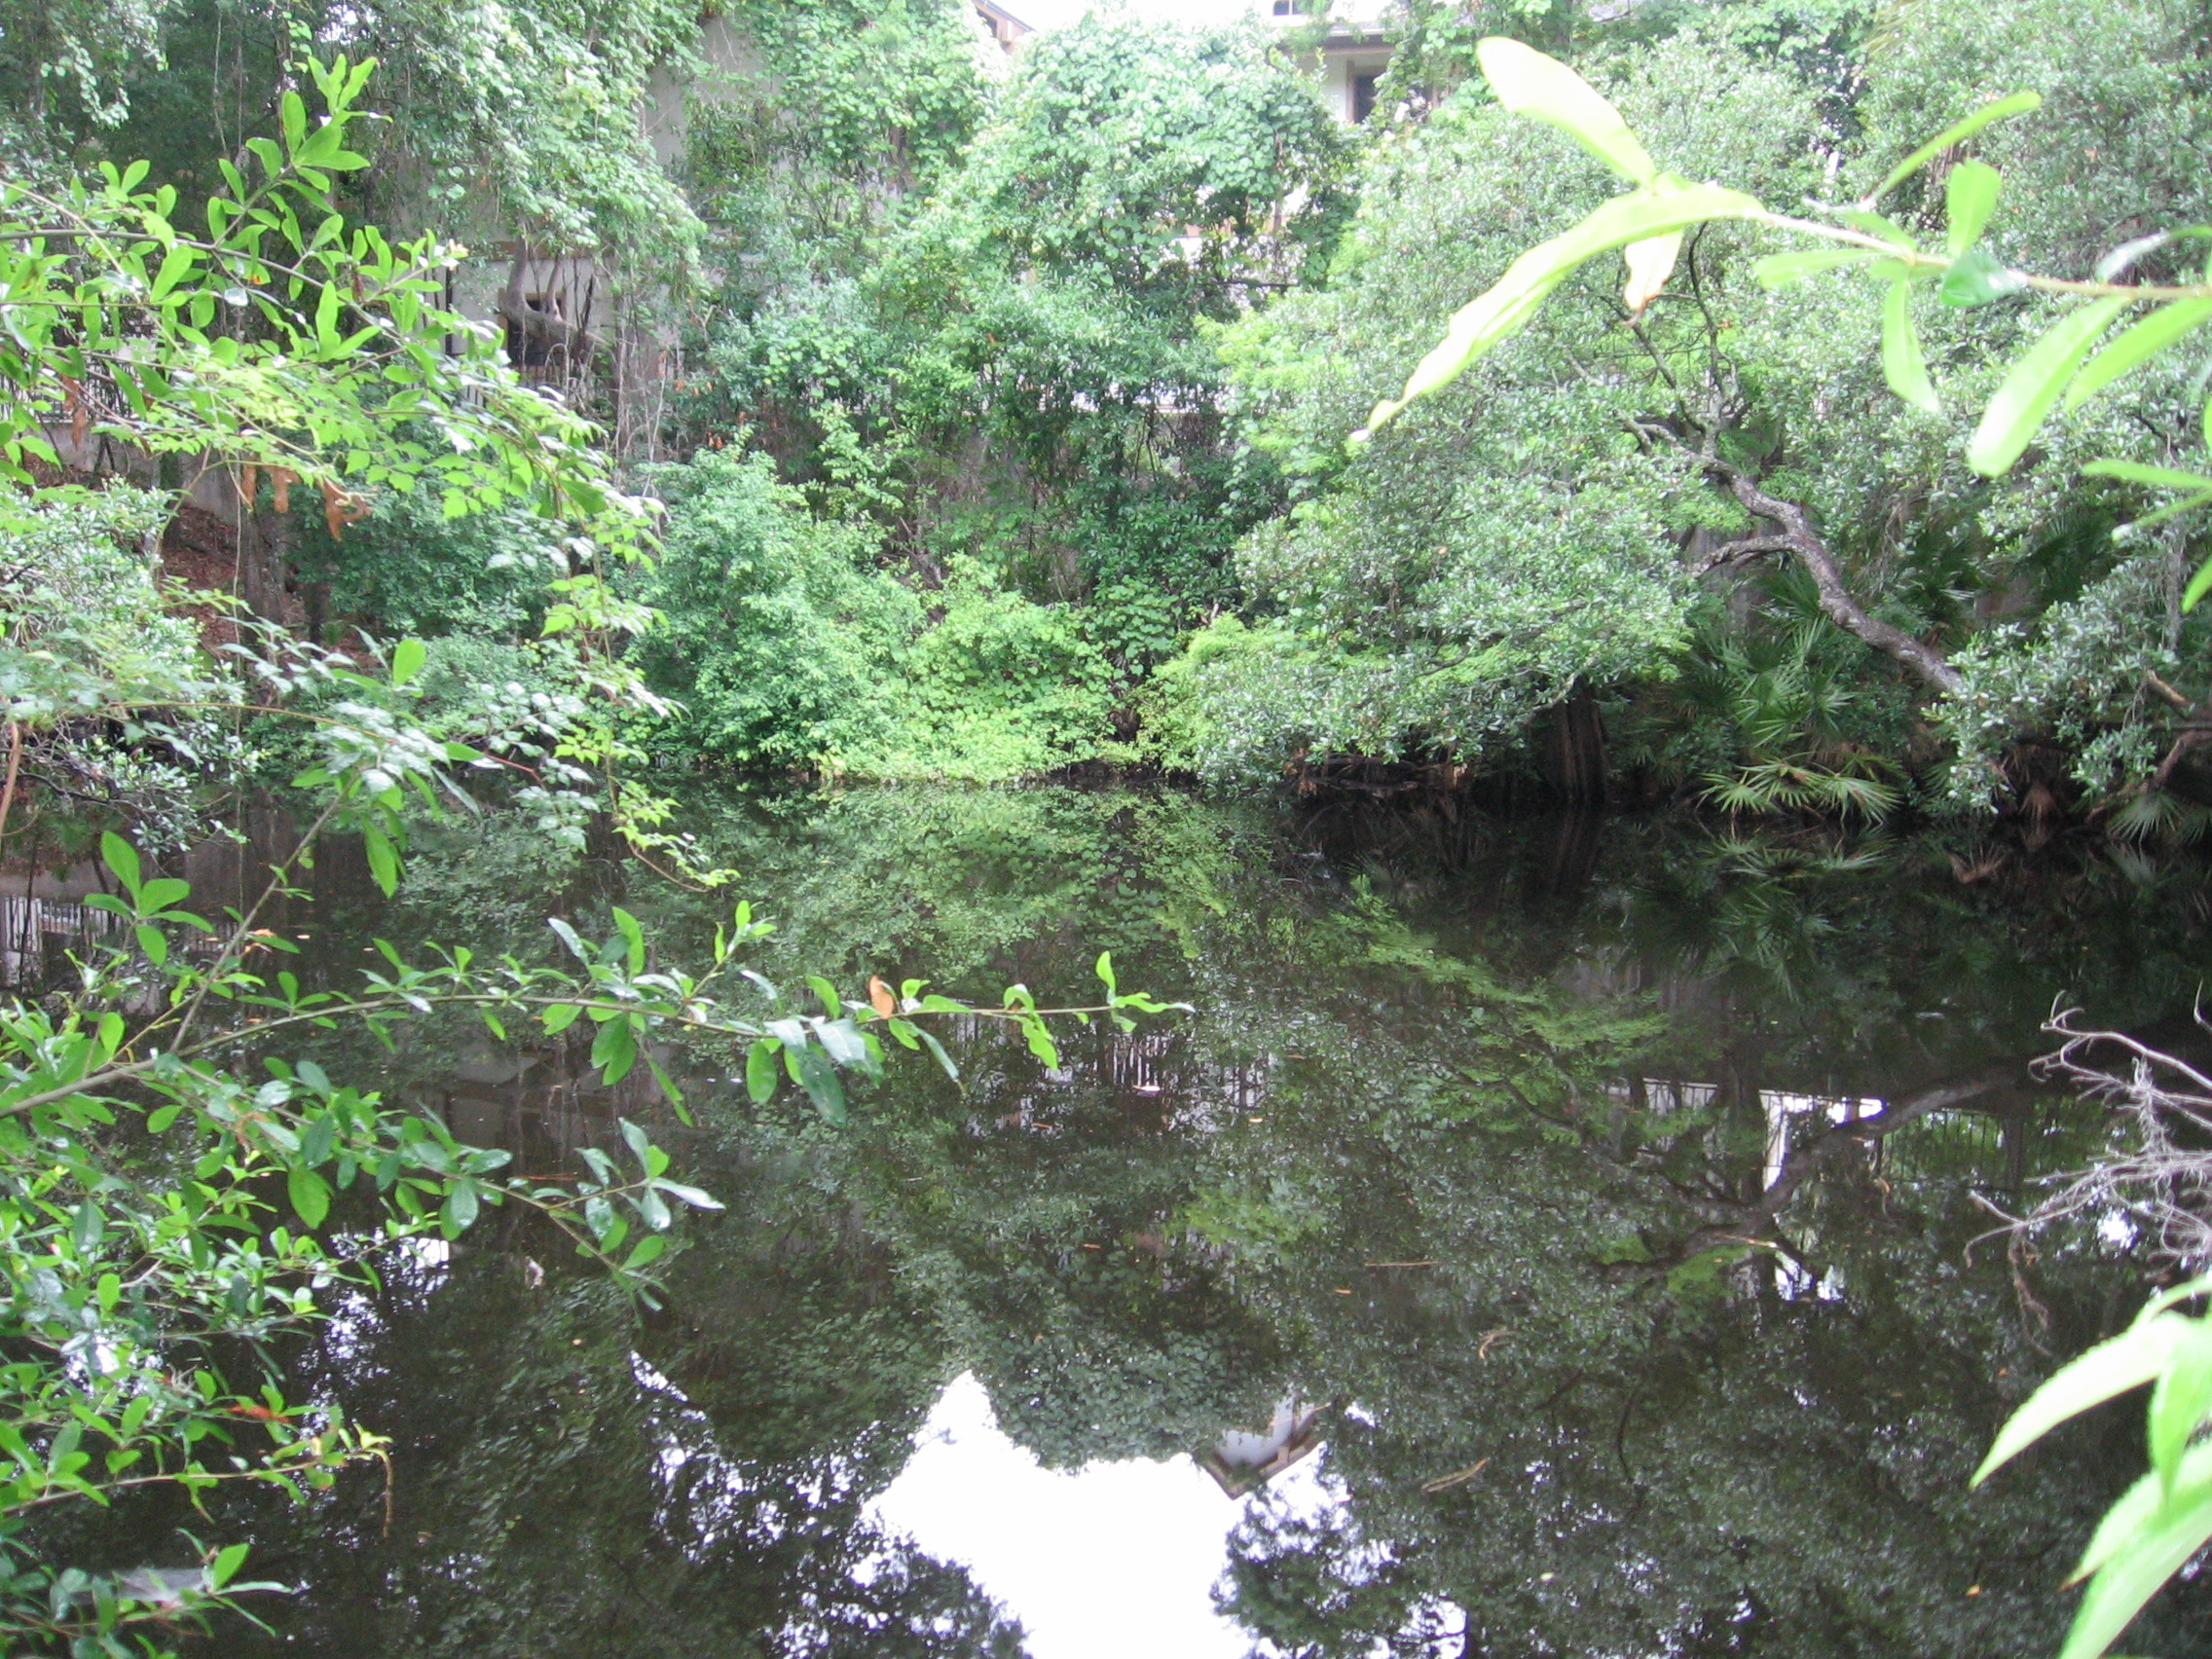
x=1797 y=536
x=1575 y=750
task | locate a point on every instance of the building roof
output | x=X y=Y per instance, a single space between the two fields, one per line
x=1006 y=29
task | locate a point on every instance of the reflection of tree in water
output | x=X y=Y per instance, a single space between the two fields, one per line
x=562 y=1491
x=1425 y=1153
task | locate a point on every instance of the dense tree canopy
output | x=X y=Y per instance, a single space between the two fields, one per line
x=1066 y=347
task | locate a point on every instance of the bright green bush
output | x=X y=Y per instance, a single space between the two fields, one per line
x=997 y=687
x=775 y=637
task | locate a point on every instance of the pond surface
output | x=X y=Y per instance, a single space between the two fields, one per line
x=1547 y=1236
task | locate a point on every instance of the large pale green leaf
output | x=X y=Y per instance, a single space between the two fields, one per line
x=1779 y=269
x=2135 y=346
x=2126 y=1362
x=2121 y=1521
x=1515 y=298
x=2019 y=103
x=2202 y=584
x=2034 y=386
x=2140 y=1564
x=2136 y=473
x=1875 y=225
x=1527 y=83
x=2180 y=1401
x=1902 y=364
x=1978 y=276
x=1969 y=196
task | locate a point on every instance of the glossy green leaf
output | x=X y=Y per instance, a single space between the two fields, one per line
x=2113 y=1367
x=2136 y=344
x=458 y=1213
x=1969 y=196
x=822 y=1086
x=2139 y=1566
x=1529 y=82
x=2202 y=584
x=407 y=660
x=383 y=858
x=614 y=1051
x=2132 y=1510
x=121 y=858
x=1976 y=277
x=842 y=1040
x=944 y=1059
x=225 y=1567
x=2137 y=472
x=692 y=1195
x=161 y=893
x=633 y=938
x=309 y=1193
x=568 y=937
x=1902 y=364
x=760 y=1070
x=2034 y=384
x=1509 y=305
x=2019 y=103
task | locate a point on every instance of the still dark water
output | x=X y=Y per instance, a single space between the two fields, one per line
x=1477 y=1205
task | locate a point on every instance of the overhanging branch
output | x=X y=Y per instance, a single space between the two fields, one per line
x=1799 y=538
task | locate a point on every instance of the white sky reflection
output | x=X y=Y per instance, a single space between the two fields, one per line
x=1104 y=1563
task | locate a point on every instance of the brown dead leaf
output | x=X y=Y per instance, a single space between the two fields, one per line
x=341 y=508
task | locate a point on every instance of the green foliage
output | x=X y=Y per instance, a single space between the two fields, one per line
x=1156 y=155
x=2065 y=360
x=79 y=54
x=494 y=122
x=85 y=622
x=853 y=100
x=2159 y=1523
x=1445 y=584
x=408 y=568
x=1016 y=370
x=774 y=636
x=283 y=341
x=996 y=688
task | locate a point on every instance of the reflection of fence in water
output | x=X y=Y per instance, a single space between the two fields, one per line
x=28 y=924
x=1144 y=1064
x=38 y=937
x=1941 y=1145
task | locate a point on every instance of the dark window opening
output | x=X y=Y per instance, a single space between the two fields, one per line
x=527 y=351
x=1363 y=96
x=1290 y=8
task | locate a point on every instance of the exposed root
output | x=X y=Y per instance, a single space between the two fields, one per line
x=2162 y=1185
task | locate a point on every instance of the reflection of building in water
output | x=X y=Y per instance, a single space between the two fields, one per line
x=1241 y=1461
x=539 y=1103
x=1988 y=1141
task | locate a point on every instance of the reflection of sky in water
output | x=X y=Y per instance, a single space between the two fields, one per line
x=1103 y=1562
